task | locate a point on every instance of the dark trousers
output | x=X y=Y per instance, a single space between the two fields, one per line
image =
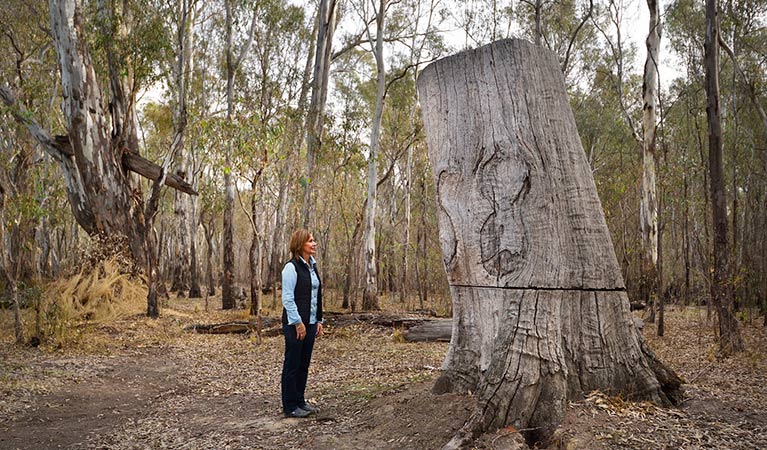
x=295 y=369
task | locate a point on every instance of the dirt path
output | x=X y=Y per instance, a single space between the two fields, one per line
x=91 y=402
x=177 y=390
x=206 y=392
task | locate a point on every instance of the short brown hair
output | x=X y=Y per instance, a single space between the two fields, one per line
x=297 y=241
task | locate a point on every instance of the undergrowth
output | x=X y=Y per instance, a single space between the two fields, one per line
x=102 y=294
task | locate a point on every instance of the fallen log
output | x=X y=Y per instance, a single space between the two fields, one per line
x=416 y=329
x=439 y=330
x=222 y=328
x=389 y=320
x=234 y=327
x=637 y=306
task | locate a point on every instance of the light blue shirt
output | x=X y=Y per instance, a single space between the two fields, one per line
x=289 y=279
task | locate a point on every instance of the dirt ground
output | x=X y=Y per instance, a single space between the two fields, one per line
x=138 y=383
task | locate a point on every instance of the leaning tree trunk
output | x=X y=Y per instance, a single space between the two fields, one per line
x=97 y=186
x=541 y=315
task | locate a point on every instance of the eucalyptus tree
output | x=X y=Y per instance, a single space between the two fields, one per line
x=425 y=44
x=203 y=137
x=294 y=114
x=183 y=14
x=564 y=27
x=649 y=202
x=743 y=37
x=411 y=35
x=721 y=288
x=685 y=24
x=370 y=295
x=611 y=28
x=347 y=162
x=28 y=65
x=278 y=82
x=325 y=30
x=18 y=215
x=101 y=145
x=236 y=12
x=271 y=79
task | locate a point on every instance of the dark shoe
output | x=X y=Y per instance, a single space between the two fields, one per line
x=297 y=413
x=309 y=408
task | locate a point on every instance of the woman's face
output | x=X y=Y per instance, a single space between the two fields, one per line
x=310 y=247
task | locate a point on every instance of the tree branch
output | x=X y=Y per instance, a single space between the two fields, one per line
x=747 y=82
x=575 y=36
x=51 y=145
x=60 y=148
x=148 y=169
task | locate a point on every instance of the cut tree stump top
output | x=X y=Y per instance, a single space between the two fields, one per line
x=518 y=204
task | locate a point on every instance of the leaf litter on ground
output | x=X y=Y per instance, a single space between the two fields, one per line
x=187 y=390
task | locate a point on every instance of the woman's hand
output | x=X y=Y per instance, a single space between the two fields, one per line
x=300 y=331
x=319 y=329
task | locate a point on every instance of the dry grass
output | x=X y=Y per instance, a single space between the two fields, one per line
x=68 y=307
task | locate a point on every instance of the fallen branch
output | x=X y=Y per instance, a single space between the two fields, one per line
x=235 y=327
x=416 y=327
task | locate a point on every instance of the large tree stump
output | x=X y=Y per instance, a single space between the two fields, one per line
x=541 y=313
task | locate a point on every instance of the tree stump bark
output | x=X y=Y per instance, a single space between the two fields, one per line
x=541 y=314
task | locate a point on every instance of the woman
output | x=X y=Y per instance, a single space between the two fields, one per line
x=301 y=321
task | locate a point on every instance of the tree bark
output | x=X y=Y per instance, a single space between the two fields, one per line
x=370 y=294
x=326 y=26
x=730 y=339
x=182 y=72
x=254 y=255
x=209 y=229
x=232 y=64
x=648 y=217
x=194 y=270
x=540 y=310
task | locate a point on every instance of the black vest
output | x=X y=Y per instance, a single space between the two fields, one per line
x=303 y=292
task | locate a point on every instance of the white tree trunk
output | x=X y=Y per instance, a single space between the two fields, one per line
x=326 y=26
x=648 y=211
x=183 y=68
x=370 y=295
x=540 y=310
x=97 y=187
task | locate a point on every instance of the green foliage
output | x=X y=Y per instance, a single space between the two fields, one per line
x=134 y=35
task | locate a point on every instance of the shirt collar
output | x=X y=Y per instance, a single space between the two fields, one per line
x=311 y=263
